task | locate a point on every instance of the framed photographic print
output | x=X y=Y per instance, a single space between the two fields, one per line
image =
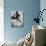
x=17 y=19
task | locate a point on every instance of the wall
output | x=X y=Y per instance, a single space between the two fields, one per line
x=29 y=7
x=43 y=6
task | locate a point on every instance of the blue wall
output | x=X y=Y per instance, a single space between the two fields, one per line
x=29 y=7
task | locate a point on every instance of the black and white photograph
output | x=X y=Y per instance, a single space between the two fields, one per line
x=17 y=19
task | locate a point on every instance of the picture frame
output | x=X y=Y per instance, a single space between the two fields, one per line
x=17 y=19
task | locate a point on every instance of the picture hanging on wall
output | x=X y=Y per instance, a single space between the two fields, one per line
x=17 y=19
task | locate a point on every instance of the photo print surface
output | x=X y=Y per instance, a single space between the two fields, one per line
x=17 y=19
